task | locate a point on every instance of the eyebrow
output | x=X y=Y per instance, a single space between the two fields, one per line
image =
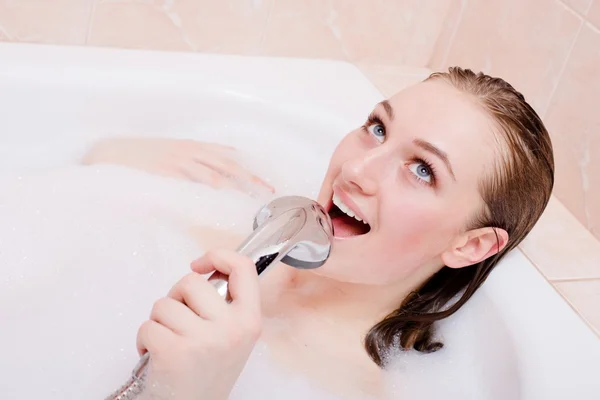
x=388 y=109
x=425 y=145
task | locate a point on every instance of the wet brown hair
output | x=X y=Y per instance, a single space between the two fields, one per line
x=515 y=196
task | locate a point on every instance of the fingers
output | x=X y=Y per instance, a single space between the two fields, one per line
x=152 y=336
x=211 y=163
x=218 y=146
x=201 y=173
x=174 y=315
x=199 y=296
x=243 y=277
x=231 y=170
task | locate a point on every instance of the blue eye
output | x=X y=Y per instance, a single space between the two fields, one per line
x=377 y=130
x=421 y=171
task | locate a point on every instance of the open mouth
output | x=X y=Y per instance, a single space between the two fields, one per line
x=345 y=222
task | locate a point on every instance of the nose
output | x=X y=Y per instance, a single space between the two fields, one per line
x=365 y=171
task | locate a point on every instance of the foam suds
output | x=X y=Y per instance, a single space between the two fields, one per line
x=477 y=361
x=86 y=251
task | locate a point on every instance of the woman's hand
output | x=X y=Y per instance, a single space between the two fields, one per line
x=207 y=163
x=198 y=342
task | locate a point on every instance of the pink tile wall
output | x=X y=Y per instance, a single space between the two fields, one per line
x=575 y=125
x=549 y=50
x=593 y=15
x=579 y=6
x=210 y=26
x=45 y=21
x=382 y=32
x=309 y=28
x=515 y=40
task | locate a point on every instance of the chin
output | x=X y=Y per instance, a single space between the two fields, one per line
x=344 y=266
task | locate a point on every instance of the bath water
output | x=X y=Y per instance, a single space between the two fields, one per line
x=85 y=252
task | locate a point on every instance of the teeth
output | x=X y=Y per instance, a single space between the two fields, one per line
x=345 y=209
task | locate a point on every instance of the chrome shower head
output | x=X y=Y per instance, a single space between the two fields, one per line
x=313 y=239
x=292 y=229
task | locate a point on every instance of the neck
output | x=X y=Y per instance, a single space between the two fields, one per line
x=338 y=302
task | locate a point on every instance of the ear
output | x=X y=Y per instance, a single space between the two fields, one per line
x=475 y=246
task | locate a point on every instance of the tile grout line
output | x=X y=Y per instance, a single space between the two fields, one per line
x=533 y=263
x=90 y=22
x=594 y=329
x=574 y=11
x=5 y=33
x=463 y=5
x=263 y=36
x=561 y=280
x=565 y=62
x=562 y=296
x=589 y=7
x=362 y=71
x=555 y=280
x=592 y=26
x=584 y=23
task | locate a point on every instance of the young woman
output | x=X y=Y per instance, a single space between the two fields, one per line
x=441 y=181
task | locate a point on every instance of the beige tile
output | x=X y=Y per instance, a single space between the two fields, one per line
x=44 y=21
x=446 y=36
x=560 y=247
x=574 y=123
x=525 y=42
x=135 y=25
x=580 y=6
x=568 y=178
x=390 y=79
x=303 y=29
x=592 y=196
x=3 y=36
x=401 y=32
x=584 y=297
x=594 y=14
x=203 y=25
x=233 y=26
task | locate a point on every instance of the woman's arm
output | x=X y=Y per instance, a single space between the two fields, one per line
x=208 y=163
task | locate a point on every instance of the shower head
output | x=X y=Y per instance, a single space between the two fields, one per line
x=292 y=229
x=314 y=229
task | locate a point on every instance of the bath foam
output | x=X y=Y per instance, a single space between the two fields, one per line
x=262 y=379
x=477 y=361
x=86 y=251
x=471 y=366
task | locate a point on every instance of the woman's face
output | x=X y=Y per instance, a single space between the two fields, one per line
x=412 y=173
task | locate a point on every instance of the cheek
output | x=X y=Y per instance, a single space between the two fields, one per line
x=413 y=233
x=411 y=221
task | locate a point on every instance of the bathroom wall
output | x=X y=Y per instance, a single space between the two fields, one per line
x=384 y=31
x=549 y=49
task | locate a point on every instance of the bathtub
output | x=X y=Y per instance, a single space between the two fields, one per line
x=65 y=98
